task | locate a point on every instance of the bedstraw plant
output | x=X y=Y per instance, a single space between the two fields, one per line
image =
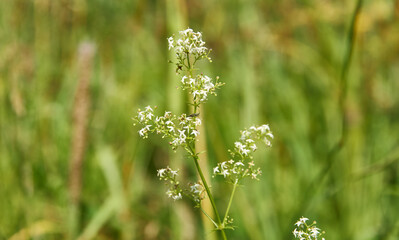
x=181 y=131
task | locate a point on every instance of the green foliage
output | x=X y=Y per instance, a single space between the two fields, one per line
x=282 y=64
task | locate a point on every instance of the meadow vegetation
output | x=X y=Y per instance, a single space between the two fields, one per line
x=322 y=74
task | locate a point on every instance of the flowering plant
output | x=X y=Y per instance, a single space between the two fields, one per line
x=182 y=131
x=304 y=231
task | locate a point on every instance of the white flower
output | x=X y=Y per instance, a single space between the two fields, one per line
x=196 y=188
x=239 y=164
x=169 y=193
x=195 y=132
x=170 y=41
x=238 y=145
x=142 y=132
x=223 y=165
x=225 y=173
x=161 y=172
x=314 y=231
x=298 y=223
x=174 y=173
x=150 y=115
x=182 y=135
x=301 y=221
x=264 y=128
x=183 y=80
x=186 y=32
x=148 y=109
x=216 y=170
x=253 y=147
x=245 y=151
x=295 y=232
x=177 y=196
x=141 y=116
x=241 y=148
x=171 y=128
x=197 y=122
x=181 y=140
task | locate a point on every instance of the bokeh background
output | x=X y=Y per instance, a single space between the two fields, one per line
x=322 y=74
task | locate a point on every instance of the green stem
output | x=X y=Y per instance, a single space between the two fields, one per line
x=209 y=217
x=219 y=225
x=230 y=201
x=188 y=61
x=208 y=191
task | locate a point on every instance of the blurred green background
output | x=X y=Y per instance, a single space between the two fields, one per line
x=74 y=72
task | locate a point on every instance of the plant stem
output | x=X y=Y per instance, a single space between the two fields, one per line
x=230 y=201
x=209 y=217
x=219 y=225
x=208 y=191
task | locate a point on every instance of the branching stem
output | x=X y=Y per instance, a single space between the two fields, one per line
x=230 y=201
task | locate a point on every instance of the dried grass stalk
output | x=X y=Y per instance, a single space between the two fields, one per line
x=80 y=120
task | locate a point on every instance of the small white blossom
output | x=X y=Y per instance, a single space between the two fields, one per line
x=182 y=133
x=245 y=151
x=148 y=109
x=223 y=165
x=142 y=132
x=171 y=128
x=141 y=116
x=170 y=41
x=239 y=164
x=161 y=172
x=196 y=188
x=174 y=173
x=177 y=196
x=253 y=147
x=183 y=79
x=225 y=173
x=197 y=122
x=195 y=133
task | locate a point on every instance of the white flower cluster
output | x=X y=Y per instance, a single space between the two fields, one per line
x=189 y=49
x=169 y=176
x=200 y=87
x=262 y=133
x=180 y=130
x=238 y=168
x=197 y=192
x=307 y=232
x=189 y=43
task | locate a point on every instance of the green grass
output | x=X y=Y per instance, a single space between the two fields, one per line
x=281 y=62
